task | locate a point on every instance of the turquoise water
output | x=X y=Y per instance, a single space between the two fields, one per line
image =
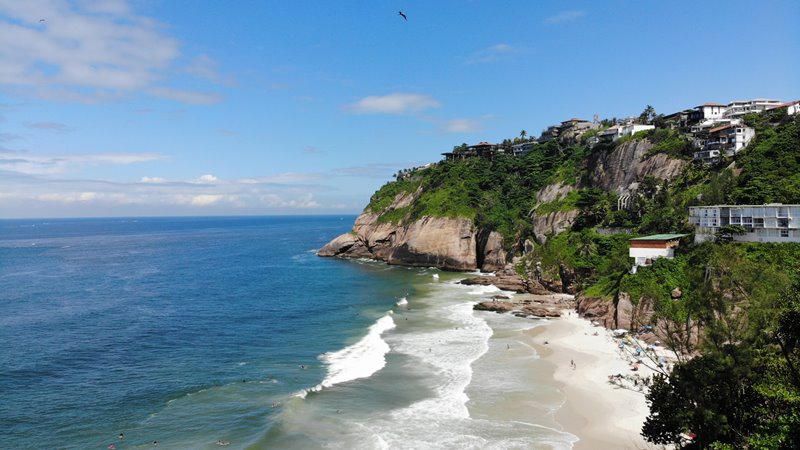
x=188 y=331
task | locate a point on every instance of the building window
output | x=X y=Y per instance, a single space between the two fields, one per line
x=784 y=233
x=783 y=223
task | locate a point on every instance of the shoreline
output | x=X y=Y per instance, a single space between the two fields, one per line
x=603 y=416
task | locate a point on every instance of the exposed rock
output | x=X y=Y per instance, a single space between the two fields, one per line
x=490 y=252
x=527 y=248
x=597 y=309
x=677 y=293
x=622 y=168
x=540 y=311
x=553 y=192
x=498 y=307
x=552 y=223
x=625 y=312
x=443 y=242
x=447 y=243
x=509 y=281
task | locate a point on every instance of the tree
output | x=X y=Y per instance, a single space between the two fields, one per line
x=648 y=115
x=727 y=233
x=523 y=134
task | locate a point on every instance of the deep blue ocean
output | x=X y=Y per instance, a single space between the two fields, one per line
x=195 y=332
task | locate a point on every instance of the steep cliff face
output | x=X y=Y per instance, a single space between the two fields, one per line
x=619 y=170
x=447 y=243
x=624 y=167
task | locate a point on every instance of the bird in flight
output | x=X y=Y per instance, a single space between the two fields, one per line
x=42 y=20
x=402 y=15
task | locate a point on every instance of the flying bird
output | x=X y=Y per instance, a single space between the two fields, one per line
x=402 y=15
x=41 y=20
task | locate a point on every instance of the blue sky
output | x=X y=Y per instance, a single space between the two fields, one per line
x=179 y=107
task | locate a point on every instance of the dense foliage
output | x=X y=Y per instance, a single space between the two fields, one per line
x=498 y=193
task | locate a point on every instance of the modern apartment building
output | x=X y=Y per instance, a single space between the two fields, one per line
x=773 y=222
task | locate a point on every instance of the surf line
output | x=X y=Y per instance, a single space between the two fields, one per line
x=359 y=360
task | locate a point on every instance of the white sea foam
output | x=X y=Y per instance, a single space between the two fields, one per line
x=436 y=276
x=450 y=350
x=359 y=360
x=402 y=302
x=482 y=290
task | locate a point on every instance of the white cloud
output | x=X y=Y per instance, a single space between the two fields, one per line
x=565 y=16
x=207 y=179
x=90 y=51
x=397 y=103
x=154 y=180
x=493 y=54
x=461 y=126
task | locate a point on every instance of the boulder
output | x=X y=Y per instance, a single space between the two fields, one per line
x=498 y=307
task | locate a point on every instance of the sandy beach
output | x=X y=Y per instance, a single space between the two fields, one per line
x=601 y=414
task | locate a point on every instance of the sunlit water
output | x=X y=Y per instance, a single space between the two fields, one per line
x=192 y=331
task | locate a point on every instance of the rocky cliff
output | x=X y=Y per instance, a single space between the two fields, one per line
x=447 y=243
x=619 y=169
x=457 y=243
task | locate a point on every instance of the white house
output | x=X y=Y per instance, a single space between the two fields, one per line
x=618 y=131
x=644 y=250
x=739 y=108
x=773 y=222
x=792 y=108
x=633 y=128
x=708 y=111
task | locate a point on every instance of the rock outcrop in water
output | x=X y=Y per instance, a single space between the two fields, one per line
x=446 y=243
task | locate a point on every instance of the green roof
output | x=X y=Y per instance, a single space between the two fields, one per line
x=659 y=237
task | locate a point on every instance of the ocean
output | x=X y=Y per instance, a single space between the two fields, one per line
x=195 y=332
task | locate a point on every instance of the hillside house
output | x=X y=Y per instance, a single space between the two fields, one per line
x=707 y=111
x=739 y=108
x=792 y=108
x=481 y=150
x=522 y=149
x=645 y=250
x=618 y=131
x=773 y=222
x=729 y=139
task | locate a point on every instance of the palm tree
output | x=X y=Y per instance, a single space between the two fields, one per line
x=523 y=134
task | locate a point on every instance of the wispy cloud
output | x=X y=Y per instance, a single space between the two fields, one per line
x=397 y=103
x=87 y=51
x=462 y=126
x=203 y=66
x=5 y=137
x=565 y=16
x=191 y=97
x=494 y=53
x=48 y=126
x=54 y=164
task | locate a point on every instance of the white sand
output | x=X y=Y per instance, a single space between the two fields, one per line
x=602 y=415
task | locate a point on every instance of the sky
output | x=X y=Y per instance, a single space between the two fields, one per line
x=216 y=107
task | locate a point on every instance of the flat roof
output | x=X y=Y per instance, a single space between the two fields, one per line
x=659 y=237
x=764 y=205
